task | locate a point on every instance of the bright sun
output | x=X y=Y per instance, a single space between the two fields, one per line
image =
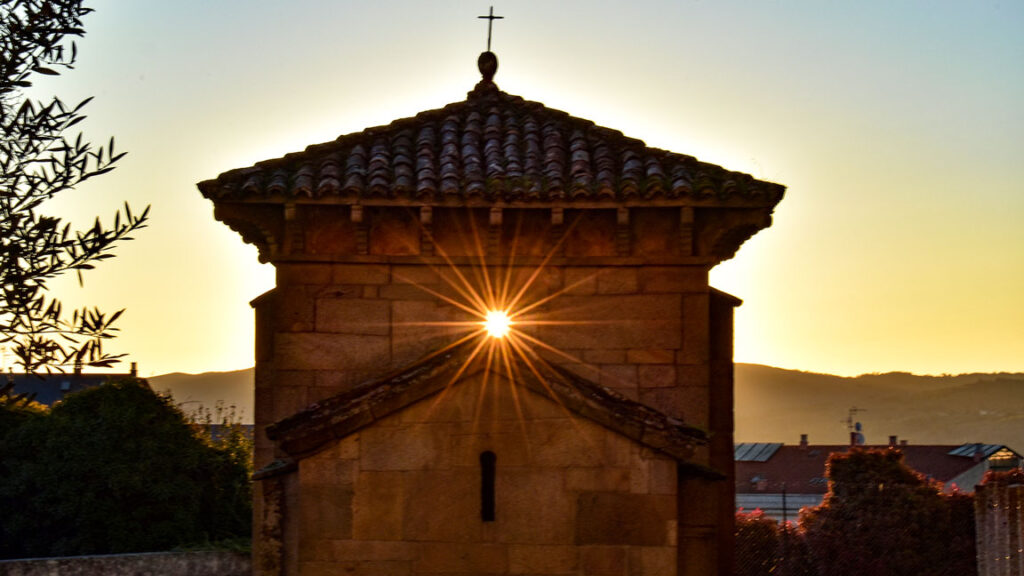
x=497 y=323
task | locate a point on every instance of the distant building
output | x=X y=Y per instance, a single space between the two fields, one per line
x=51 y=388
x=780 y=479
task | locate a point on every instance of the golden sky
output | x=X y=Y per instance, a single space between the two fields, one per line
x=897 y=128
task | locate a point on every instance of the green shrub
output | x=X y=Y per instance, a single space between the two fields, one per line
x=113 y=469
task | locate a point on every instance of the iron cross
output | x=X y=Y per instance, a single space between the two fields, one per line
x=490 y=20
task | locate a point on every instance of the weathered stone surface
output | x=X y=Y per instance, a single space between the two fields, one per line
x=656 y=376
x=353 y=316
x=617 y=281
x=359 y=274
x=616 y=322
x=358 y=568
x=443 y=506
x=325 y=512
x=539 y=560
x=603 y=479
x=475 y=558
x=604 y=560
x=672 y=279
x=350 y=353
x=624 y=519
x=533 y=507
x=581 y=281
x=378 y=506
x=655 y=356
x=412 y=448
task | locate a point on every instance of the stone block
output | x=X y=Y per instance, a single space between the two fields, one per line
x=288 y=400
x=294 y=273
x=359 y=274
x=614 y=322
x=459 y=558
x=693 y=374
x=537 y=560
x=618 y=376
x=688 y=403
x=325 y=512
x=652 y=561
x=674 y=279
x=393 y=231
x=412 y=448
x=372 y=550
x=662 y=476
x=377 y=507
x=444 y=506
x=604 y=356
x=412 y=274
x=353 y=316
x=655 y=356
x=617 y=281
x=533 y=507
x=327 y=471
x=617 y=450
x=510 y=447
x=422 y=326
x=561 y=443
x=356 y=568
x=656 y=375
x=343 y=352
x=601 y=479
x=696 y=348
x=623 y=519
x=580 y=281
x=603 y=560
x=405 y=292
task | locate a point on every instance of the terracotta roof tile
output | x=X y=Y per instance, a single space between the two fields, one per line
x=494 y=147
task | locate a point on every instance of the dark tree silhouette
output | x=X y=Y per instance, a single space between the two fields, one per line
x=37 y=162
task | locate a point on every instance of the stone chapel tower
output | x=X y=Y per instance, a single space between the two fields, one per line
x=395 y=436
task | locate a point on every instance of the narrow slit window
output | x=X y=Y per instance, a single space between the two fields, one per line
x=487 y=462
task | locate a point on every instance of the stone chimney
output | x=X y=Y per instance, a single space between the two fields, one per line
x=903 y=442
x=892 y=441
x=135 y=370
x=803 y=441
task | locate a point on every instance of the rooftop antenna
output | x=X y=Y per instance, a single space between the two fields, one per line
x=490 y=20
x=851 y=423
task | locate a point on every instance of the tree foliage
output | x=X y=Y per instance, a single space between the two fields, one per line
x=118 y=468
x=37 y=162
x=880 y=517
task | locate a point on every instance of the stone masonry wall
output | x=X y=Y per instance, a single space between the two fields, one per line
x=641 y=330
x=404 y=496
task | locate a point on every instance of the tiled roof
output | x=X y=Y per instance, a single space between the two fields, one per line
x=51 y=388
x=802 y=469
x=493 y=147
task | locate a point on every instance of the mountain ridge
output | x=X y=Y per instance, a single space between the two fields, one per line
x=778 y=404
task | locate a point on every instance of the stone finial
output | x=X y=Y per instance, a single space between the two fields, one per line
x=488 y=65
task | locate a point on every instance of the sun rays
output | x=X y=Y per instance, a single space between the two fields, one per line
x=502 y=304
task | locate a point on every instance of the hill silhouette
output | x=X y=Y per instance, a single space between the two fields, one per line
x=777 y=405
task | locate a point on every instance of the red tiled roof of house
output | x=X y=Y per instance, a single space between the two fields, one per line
x=492 y=147
x=802 y=469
